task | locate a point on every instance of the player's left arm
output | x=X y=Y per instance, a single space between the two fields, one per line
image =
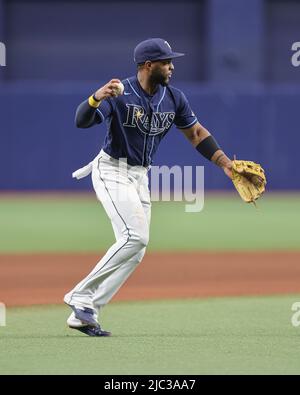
x=207 y=146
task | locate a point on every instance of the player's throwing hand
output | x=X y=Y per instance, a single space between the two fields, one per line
x=111 y=89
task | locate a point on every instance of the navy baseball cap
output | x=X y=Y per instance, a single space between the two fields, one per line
x=154 y=49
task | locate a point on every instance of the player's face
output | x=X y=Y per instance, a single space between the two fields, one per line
x=162 y=72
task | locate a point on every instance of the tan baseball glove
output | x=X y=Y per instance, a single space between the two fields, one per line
x=249 y=179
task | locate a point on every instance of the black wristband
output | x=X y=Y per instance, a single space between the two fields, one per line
x=208 y=147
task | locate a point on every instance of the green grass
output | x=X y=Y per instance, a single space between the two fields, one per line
x=80 y=224
x=252 y=335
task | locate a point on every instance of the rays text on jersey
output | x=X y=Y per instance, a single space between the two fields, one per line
x=160 y=122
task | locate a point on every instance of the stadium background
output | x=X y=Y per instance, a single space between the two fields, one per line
x=239 y=79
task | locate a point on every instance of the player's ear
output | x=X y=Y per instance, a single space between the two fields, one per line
x=148 y=64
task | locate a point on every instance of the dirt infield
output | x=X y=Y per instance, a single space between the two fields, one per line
x=44 y=279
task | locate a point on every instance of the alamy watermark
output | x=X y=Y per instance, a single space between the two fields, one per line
x=295 y=59
x=2 y=54
x=2 y=314
x=166 y=184
x=296 y=316
x=182 y=185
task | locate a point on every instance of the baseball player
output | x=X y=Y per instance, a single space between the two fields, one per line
x=137 y=119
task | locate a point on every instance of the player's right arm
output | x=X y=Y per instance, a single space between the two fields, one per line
x=88 y=112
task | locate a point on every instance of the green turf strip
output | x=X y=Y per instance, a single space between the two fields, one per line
x=249 y=335
x=226 y=223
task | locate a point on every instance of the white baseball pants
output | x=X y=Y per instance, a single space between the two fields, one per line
x=124 y=193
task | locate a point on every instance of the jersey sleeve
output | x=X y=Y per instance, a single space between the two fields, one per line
x=104 y=110
x=87 y=116
x=184 y=117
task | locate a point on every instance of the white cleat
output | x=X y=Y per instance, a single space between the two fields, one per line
x=74 y=322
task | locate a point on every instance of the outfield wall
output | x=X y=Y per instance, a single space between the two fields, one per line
x=40 y=145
